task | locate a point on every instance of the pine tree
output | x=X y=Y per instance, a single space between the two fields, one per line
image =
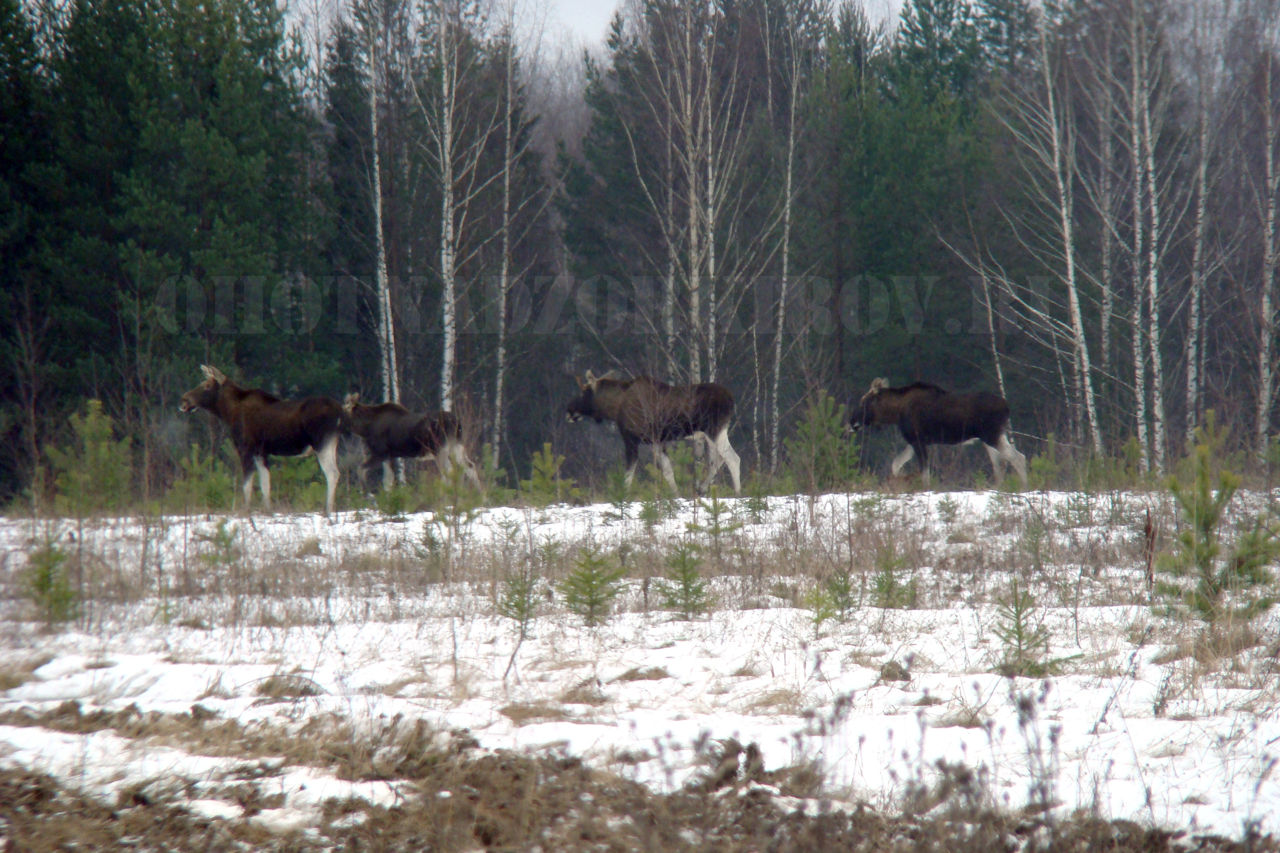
x=24 y=128
x=938 y=43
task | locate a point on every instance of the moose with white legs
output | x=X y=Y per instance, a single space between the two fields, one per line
x=651 y=412
x=390 y=431
x=926 y=414
x=263 y=426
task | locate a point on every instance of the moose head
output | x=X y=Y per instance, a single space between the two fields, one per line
x=204 y=395
x=584 y=405
x=864 y=414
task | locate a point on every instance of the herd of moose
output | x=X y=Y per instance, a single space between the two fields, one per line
x=645 y=410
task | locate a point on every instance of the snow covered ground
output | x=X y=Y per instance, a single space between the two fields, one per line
x=303 y=623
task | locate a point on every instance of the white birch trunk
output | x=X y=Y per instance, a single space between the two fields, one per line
x=710 y=225
x=1266 y=331
x=388 y=365
x=1063 y=170
x=669 y=232
x=1139 y=239
x=774 y=404
x=1195 y=298
x=692 y=157
x=504 y=273
x=1107 y=202
x=1153 y=273
x=991 y=333
x=448 y=247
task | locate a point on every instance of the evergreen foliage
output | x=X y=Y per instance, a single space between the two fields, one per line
x=181 y=184
x=205 y=483
x=590 y=589
x=1219 y=582
x=48 y=584
x=684 y=590
x=821 y=456
x=518 y=600
x=1025 y=638
x=834 y=598
x=93 y=474
x=545 y=484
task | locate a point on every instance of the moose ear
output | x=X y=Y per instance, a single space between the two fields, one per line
x=213 y=374
x=349 y=401
x=590 y=381
x=879 y=384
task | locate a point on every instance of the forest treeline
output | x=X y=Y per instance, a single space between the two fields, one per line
x=1071 y=202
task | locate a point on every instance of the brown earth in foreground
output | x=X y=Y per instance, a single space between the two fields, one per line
x=507 y=802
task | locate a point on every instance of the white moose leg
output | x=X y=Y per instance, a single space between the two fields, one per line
x=1013 y=457
x=997 y=463
x=328 y=457
x=264 y=482
x=902 y=459
x=722 y=453
x=730 y=457
x=714 y=460
x=458 y=452
x=664 y=462
x=247 y=489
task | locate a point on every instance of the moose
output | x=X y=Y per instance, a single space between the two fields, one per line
x=926 y=414
x=263 y=426
x=651 y=412
x=390 y=431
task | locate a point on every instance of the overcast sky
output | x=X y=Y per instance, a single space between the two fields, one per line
x=588 y=20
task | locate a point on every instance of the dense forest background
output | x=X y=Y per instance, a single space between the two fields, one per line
x=1073 y=202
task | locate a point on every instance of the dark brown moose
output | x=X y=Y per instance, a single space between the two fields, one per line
x=926 y=414
x=263 y=426
x=651 y=412
x=390 y=431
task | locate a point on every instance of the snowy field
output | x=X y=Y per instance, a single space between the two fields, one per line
x=366 y=625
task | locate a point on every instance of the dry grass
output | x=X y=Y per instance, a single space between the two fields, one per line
x=522 y=713
x=644 y=673
x=463 y=799
x=16 y=673
x=585 y=692
x=285 y=686
x=459 y=798
x=780 y=701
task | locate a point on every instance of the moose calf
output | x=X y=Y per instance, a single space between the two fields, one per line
x=263 y=426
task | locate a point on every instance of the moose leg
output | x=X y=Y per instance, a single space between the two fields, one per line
x=714 y=461
x=922 y=451
x=388 y=475
x=264 y=480
x=722 y=453
x=1013 y=457
x=730 y=457
x=458 y=452
x=246 y=470
x=631 y=451
x=444 y=461
x=997 y=463
x=902 y=459
x=368 y=467
x=664 y=462
x=328 y=457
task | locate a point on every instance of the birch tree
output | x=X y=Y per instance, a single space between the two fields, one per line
x=459 y=127
x=792 y=77
x=1266 y=196
x=1204 y=48
x=387 y=361
x=1148 y=92
x=520 y=204
x=1038 y=120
